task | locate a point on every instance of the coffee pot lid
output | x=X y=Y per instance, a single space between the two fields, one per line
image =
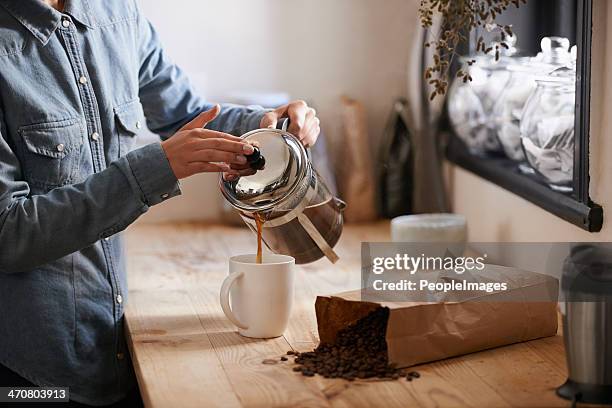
x=279 y=169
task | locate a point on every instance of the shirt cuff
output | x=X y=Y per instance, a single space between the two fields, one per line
x=255 y=117
x=153 y=174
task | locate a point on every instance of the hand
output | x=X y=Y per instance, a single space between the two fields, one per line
x=194 y=150
x=303 y=121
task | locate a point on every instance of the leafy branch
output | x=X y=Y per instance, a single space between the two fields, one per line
x=460 y=17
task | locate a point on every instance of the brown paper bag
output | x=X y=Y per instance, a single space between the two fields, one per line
x=354 y=168
x=423 y=332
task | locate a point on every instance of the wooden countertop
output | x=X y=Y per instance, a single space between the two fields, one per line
x=187 y=354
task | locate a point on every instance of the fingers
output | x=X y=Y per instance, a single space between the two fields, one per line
x=304 y=123
x=243 y=170
x=310 y=113
x=237 y=171
x=209 y=155
x=244 y=166
x=222 y=145
x=230 y=177
x=310 y=138
x=203 y=119
x=312 y=128
x=234 y=175
x=208 y=134
x=311 y=120
x=269 y=120
x=297 y=112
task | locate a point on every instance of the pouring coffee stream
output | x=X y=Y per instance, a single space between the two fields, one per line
x=257 y=162
x=285 y=202
x=259 y=220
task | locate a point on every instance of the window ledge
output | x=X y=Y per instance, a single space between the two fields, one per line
x=506 y=174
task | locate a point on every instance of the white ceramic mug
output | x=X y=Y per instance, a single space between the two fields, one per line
x=257 y=298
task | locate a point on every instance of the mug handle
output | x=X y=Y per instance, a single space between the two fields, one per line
x=224 y=299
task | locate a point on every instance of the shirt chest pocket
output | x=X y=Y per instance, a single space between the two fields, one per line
x=129 y=122
x=52 y=152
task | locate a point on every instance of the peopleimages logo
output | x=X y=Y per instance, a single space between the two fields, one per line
x=412 y=264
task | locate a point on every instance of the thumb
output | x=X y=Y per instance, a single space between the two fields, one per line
x=203 y=119
x=269 y=120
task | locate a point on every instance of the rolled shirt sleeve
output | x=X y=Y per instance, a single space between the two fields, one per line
x=83 y=213
x=152 y=175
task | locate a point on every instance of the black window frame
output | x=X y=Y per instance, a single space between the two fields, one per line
x=576 y=207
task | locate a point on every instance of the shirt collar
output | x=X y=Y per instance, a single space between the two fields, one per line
x=78 y=10
x=42 y=20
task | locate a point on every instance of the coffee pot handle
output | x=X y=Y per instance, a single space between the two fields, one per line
x=283 y=124
x=224 y=299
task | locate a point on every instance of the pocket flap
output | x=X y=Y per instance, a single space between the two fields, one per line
x=130 y=117
x=53 y=139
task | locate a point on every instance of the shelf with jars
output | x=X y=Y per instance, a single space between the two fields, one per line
x=522 y=122
x=520 y=107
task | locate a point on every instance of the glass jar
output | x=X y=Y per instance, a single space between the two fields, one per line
x=522 y=83
x=471 y=103
x=547 y=128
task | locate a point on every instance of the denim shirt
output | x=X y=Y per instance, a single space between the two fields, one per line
x=75 y=89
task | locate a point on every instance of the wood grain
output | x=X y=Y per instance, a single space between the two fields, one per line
x=187 y=354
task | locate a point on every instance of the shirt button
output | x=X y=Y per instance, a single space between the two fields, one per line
x=95 y=135
x=119 y=299
x=60 y=147
x=120 y=356
x=138 y=125
x=83 y=80
x=66 y=23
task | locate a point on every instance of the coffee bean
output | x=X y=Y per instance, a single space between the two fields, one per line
x=298 y=368
x=284 y=358
x=291 y=353
x=359 y=351
x=409 y=378
x=414 y=374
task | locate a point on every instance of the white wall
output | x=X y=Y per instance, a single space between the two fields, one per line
x=495 y=214
x=316 y=50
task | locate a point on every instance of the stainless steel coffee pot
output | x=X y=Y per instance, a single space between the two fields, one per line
x=587 y=323
x=301 y=217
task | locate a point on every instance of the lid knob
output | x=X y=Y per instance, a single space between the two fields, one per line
x=256 y=160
